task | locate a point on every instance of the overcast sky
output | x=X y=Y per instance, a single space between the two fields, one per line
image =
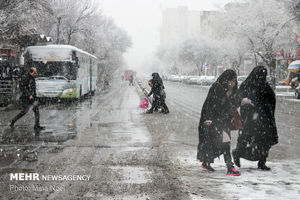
x=142 y=21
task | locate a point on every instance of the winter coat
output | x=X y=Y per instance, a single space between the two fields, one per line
x=217 y=108
x=259 y=127
x=158 y=92
x=28 y=88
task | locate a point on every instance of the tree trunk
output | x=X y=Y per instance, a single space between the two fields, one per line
x=69 y=38
x=201 y=67
x=198 y=69
x=272 y=67
x=58 y=30
x=255 y=59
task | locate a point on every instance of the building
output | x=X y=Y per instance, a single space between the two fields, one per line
x=180 y=24
x=174 y=25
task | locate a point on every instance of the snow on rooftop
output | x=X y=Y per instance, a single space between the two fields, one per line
x=56 y=46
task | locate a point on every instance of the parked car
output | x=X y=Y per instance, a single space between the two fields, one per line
x=184 y=78
x=241 y=79
x=193 y=80
x=208 y=80
x=174 y=78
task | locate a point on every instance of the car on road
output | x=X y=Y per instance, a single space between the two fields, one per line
x=241 y=79
x=175 y=78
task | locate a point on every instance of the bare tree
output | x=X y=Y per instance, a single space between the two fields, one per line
x=19 y=18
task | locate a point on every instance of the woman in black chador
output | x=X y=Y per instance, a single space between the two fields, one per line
x=257 y=100
x=159 y=95
x=215 y=123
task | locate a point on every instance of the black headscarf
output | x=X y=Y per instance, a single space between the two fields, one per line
x=257 y=77
x=155 y=75
x=157 y=80
x=226 y=76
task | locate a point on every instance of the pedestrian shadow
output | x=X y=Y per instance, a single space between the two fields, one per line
x=252 y=169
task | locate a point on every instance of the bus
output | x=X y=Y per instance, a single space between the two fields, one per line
x=63 y=71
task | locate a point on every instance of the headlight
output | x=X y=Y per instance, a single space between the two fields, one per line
x=70 y=90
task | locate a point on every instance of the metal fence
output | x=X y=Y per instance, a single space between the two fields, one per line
x=9 y=91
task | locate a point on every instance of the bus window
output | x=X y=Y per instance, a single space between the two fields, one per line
x=64 y=69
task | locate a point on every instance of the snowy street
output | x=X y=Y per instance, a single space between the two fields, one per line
x=137 y=100
x=132 y=155
x=281 y=183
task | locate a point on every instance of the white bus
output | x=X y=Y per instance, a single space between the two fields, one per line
x=63 y=71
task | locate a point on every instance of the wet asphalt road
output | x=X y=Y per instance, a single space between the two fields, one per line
x=180 y=138
x=103 y=137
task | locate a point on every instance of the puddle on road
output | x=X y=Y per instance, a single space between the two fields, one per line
x=131 y=135
x=23 y=142
x=27 y=135
x=62 y=122
x=132 y=175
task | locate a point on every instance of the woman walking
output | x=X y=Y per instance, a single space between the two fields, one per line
x=215 y=123
x=258 y=104
x=159 y=95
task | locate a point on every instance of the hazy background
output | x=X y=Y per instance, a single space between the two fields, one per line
x=142 y=20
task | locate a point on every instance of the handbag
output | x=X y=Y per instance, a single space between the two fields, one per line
x=236 y=119
x=144 y=103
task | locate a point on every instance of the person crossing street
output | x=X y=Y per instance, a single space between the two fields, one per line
x=28 y=99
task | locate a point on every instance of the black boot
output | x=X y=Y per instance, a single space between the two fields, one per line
x=262 y=165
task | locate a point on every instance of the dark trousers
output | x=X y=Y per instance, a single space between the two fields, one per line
x=227 y=155
x=25 y=108
x=156 y=105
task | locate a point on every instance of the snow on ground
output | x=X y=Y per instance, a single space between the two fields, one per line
x=179 y=135
x=283 y=86
x=282 y=182
x=293 y=100
x=285 y=94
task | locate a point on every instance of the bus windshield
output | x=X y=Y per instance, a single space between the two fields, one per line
x=67 y=70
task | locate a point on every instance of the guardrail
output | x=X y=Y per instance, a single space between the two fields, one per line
x=143 y=88
x=9 y=90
